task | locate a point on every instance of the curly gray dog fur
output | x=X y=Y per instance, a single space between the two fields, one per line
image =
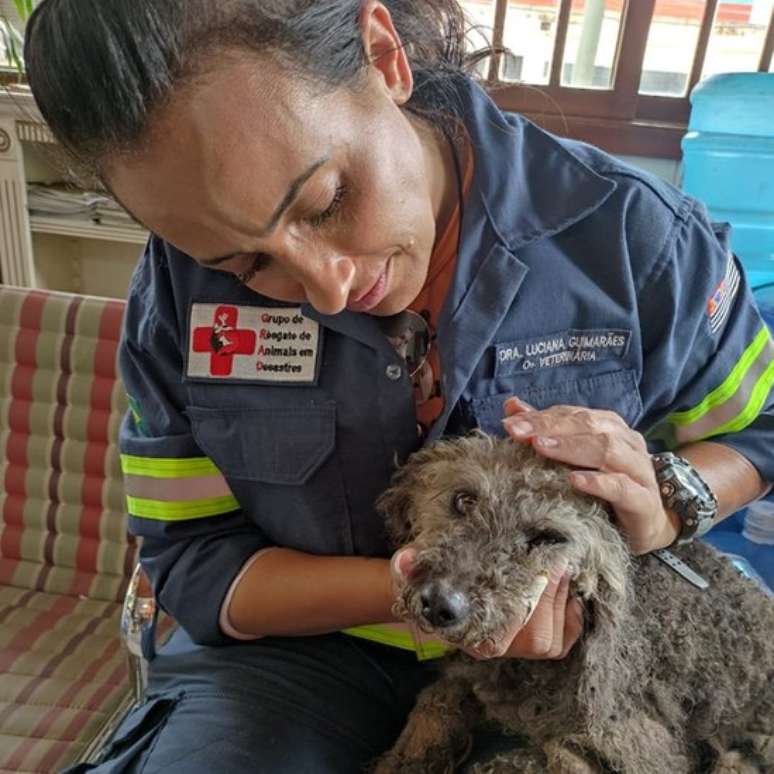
x=666 y=678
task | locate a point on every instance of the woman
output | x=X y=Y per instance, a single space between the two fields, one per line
x=310 y=172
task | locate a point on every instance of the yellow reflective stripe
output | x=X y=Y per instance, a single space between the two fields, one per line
x=752 y=409
x=161 y=510
x=727 y=389
x=168 y=467
x=385 y=634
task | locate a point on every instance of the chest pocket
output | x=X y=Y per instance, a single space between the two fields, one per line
x=276 y=446
x=282 y=467
x=614 y=391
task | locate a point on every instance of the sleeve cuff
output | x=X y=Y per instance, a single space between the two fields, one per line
x=225 y=622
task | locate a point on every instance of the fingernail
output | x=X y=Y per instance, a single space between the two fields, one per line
x=546 y=441
x=517 y=403
x=520 y=427
x=579 y=479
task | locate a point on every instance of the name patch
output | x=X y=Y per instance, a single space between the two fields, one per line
x=252 y=343
x=573 y=347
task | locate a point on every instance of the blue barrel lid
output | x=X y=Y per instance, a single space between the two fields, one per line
x=734 y=103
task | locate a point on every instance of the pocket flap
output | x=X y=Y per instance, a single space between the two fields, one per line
x=272 y=445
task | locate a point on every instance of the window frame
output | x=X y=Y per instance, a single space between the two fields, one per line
x=619 y=119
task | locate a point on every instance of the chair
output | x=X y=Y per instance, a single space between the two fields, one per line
x=66 y=560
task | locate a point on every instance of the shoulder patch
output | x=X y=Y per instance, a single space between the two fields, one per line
x=722 y=298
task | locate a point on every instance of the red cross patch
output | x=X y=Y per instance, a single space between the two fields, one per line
x=224 y=340
x=261 y=344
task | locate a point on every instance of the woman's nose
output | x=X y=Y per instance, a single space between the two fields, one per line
x=328 y=283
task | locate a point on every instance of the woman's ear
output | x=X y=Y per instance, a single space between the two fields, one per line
x=385 y=51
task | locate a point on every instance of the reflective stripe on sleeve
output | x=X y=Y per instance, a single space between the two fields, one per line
x=167 y=489
x=180 y=511
x=168 y=467
x=734 y=404
x=399 y=635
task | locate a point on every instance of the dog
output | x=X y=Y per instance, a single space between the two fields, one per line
x=666 y=678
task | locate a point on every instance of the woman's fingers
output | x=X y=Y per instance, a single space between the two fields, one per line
x=515 y=405
x=607 y=452
x=560 y=616
x=568 y=420
x=555 y=625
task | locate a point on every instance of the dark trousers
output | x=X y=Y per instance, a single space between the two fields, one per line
x=280 y=705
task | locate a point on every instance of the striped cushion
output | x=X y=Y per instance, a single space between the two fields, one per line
x=62 y=514
x=64 y=676
x=65 y=558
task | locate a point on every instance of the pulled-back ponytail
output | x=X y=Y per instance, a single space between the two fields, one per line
x=99 y=68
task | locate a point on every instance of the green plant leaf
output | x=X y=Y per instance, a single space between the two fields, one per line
x=24 y=8
x=13 y=42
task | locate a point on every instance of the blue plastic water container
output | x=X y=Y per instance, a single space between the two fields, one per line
x=729 y=162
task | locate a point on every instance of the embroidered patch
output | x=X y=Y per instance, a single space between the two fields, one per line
x=252 y=343
x=722 y=298
x=571 y=347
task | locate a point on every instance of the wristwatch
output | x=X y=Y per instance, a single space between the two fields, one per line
x=687 y=494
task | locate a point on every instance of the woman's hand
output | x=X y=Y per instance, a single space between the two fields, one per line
x=615 y=460
x=550 y=633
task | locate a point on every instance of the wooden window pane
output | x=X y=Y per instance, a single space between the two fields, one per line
x=529 y=35
x=672 y=41
x=480 y=16
x=592 y=43
x=738 y=33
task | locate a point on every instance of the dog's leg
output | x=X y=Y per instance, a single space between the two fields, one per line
x=635 y=745
x=565 y=759
x=438 y=732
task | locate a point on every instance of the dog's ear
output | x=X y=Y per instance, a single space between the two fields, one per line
x=395 y=506
x=609 y=618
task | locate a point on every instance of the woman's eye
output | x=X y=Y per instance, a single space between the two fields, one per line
x=258 y=262
x=546 y=538
x=318 y=220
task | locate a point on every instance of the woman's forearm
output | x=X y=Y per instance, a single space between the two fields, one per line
x=734 y=479
x=289 y=593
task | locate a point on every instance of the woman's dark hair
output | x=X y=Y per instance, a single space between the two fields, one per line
x=99 y=68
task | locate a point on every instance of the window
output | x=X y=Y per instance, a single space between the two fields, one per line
x=618 y=72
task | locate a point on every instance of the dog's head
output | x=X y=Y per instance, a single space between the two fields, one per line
x=490 y=519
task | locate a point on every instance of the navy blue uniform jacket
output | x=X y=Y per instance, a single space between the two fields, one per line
x=580 y=280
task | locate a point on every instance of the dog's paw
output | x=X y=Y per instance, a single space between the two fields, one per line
x=424 y=747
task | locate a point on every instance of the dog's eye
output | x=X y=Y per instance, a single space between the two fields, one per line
x=546 y=538
x=463 y=502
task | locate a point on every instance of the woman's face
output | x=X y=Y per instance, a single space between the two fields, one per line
x=326 y=198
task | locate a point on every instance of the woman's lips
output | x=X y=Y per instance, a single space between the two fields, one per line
x=375 y=295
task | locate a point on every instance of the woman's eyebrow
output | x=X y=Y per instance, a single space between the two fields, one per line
x=287 y=200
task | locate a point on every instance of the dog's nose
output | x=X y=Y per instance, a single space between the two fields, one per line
x=443 y=607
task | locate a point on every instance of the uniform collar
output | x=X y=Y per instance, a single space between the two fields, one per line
x=529 y=184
